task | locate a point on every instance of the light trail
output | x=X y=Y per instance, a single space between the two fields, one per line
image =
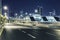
x=15 y=27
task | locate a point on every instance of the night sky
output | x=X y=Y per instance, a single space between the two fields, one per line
x=30 y=5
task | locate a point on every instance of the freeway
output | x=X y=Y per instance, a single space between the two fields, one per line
x=29 y=34
x=17 y=32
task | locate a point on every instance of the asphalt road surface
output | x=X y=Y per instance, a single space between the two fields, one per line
x=29 y=34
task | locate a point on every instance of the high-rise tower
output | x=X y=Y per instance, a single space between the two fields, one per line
x=40 y=10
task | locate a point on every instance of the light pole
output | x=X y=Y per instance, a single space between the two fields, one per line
x=16 y=16
x=6 y=11
x=25 y=15
x=21 y=13
x=6 y=15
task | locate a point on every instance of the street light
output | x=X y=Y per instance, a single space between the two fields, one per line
x=15 y=14
x=30 y=14
x=6 y=11
x=26 y=13
x=5 y=8
x=6 y=15
x=36 y=11
x=21 y=15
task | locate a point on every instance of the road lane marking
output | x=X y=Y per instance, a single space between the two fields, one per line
x=23 y=31
x=51 y=34
x=31 y=35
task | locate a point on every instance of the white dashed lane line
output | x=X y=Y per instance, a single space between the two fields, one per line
x=31 y=35
x=51 y=34
x=23 y=31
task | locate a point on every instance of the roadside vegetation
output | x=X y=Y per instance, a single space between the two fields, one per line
x=2 y=23
x=2 y=19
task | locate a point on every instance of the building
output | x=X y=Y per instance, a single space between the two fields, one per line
x=0 y=7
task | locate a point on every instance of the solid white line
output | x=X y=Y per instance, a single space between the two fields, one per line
x=31 y=35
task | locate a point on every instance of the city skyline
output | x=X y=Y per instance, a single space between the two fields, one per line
x=30 y=5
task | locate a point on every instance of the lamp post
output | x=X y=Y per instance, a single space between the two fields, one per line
x=6 y=11
x=25 y=15
x=5 y=8
x=6 y=15
x=21 y=13
x=16 y=15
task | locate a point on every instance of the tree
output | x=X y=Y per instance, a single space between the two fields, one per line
x=2 y=19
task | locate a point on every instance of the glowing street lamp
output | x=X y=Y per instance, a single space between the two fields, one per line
x=36 y=11
x=5 y=8
x=15 y=14
x=6 y=15
x=26 y=13
x=21 y=15
x=30 y=14
x=6 y=11
x=16 y=17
